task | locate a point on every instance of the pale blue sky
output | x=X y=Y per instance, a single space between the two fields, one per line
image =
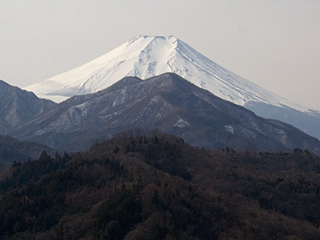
x=274 y=43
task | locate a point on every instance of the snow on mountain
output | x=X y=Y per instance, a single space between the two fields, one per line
x=147 y=56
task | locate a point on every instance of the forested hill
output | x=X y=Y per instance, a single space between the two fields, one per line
x=157 y=187
x=12 y=150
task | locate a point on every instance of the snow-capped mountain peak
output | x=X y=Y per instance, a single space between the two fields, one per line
x=142 y=56
x=147 y=56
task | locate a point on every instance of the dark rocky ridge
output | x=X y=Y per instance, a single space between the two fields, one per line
x=168 y=103
x=19 y=106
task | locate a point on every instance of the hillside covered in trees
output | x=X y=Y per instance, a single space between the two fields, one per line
x=12 y=150
x=155 y=186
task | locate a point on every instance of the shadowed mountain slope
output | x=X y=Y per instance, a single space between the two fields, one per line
x=18 y=106
x=168 y=103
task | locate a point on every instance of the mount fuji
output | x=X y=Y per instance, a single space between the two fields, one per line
x=148 y=56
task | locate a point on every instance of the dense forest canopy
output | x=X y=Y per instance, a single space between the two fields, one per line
x=158 y=187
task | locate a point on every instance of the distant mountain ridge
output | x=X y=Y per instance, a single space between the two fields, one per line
x=148 y=56
x=18 y=106
x=168 y=103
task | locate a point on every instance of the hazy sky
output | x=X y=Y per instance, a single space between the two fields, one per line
x=275 y=44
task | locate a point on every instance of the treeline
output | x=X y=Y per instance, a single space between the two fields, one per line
x=158 y=187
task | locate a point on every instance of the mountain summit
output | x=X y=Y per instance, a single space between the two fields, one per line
x=148 y=56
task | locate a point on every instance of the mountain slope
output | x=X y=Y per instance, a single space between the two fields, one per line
x=147 y=56
x=18 y=106
x=166 y=102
